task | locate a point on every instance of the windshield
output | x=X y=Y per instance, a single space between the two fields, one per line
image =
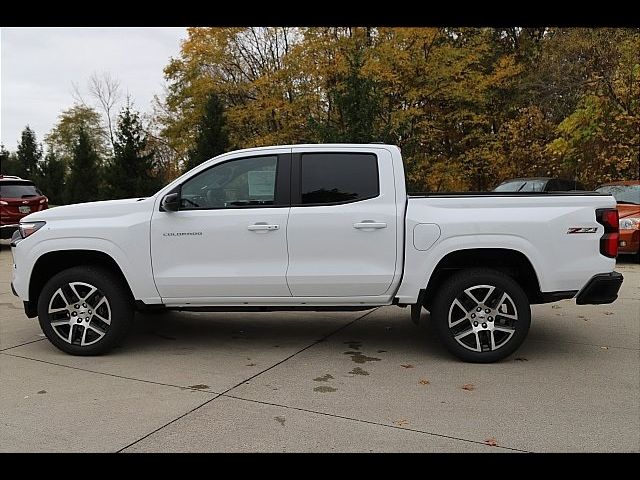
x=18 y=190
x=522 y=186
x=623 y=193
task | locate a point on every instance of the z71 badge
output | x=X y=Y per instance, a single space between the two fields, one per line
x=582 y=230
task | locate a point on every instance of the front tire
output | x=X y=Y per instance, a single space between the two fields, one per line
x=85 y=310
x=481 y=315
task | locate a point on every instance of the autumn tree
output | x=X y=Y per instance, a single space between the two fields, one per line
x=212 y=137
x=131 y=171
x=600 y=139
x=469 y=107
x=28 y=154
x=83 y=179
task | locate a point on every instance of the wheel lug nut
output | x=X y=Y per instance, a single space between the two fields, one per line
x=478 y=309
x=488 y=318
x=73 y=314
x=484 y=325
x=475 y=324
x=79 y=320
x=76 y=306
x=487 y=311
x=89 y=312
x=84 y=304
x=473 y=315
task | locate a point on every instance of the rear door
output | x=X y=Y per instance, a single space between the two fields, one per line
x=342 y=225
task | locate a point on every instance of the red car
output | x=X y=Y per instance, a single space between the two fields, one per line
x=18 y=198
x=627 y=194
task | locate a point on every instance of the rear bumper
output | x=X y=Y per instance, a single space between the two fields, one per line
x=602 y=288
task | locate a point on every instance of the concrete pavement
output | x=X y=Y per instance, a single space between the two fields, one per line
x=298 y=381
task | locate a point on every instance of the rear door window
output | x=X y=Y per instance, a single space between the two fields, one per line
x=334 y=178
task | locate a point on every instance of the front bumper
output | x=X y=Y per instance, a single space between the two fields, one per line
x=602 y=288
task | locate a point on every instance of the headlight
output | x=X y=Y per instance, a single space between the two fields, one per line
x=29 y=228
x=629 y=223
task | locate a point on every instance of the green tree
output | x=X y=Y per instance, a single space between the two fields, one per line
x=8 y=163
x=84 y=174
x=63 y=138
x=51 y=177
x=212 y=137
x=28 y=154
x=131 y=173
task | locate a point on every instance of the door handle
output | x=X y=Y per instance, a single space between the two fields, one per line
x=369 y=224
x=263 y=226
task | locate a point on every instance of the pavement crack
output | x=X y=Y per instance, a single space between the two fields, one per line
x=315 y=342
x=371 y=422
x=109 y=374
x=25 y=343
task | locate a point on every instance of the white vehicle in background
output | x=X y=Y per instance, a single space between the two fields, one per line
x=315 y=227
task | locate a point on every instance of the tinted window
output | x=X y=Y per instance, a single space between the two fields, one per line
x=237 y=183
x=623 y=193
x=18 y=190
x=522 y=186
x=533 y=186
x=509 y=186
x=339 y=177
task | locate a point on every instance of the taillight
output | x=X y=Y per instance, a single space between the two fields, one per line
x=608 y=217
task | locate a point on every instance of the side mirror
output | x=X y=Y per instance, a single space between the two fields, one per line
x=170 y=202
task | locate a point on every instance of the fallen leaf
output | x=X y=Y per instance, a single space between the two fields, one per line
x=468 y=387
x=608 y=313
x=492 y=442
x=403 y=422
x=280 y=420
x=42 y=391
x=604 y=348
x=520 y=359
x=424 y=381
x=406 y=365
x=555 y=306
x=251 y=365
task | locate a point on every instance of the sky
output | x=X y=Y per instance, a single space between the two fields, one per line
x=38 y=67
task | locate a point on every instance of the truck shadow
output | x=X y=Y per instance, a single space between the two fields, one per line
x=187 y=333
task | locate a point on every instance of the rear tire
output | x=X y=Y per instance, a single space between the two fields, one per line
x=85 y=310
x=481 y=315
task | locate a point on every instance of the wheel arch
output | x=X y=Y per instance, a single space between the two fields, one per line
x=51 y=263
x=511 y=262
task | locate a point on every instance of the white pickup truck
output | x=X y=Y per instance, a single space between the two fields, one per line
x=315 y=227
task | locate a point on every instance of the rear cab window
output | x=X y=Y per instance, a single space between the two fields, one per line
x=328 y=178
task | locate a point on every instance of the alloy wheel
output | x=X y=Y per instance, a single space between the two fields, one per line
x=483 y=318
x=79 y=313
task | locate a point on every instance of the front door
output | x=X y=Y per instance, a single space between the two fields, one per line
x=343 y=223
x=228 y=238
